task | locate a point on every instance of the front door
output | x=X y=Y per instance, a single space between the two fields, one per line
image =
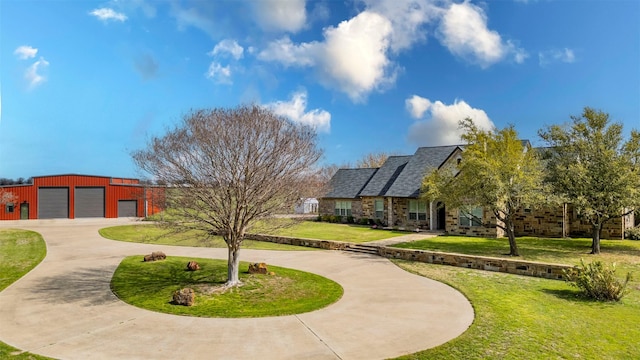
x=24 y=211
x=442 y=217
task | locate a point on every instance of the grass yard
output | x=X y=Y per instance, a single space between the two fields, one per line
x=150 y=285
x=626 y=253
x=530 y=318
x=341 y=232
x=20 y=251
x=152 y=234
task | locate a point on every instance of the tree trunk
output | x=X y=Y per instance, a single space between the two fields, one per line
x=513 y=247
x=233 y=265
x=595 y=235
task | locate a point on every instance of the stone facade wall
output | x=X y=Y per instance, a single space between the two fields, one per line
x=369 y=211
x=612 y=229
x=453 y=226
x=401 y=215
x=545 y=222
x=328 y=206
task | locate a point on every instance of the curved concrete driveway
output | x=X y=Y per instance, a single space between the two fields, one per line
x=65 y=309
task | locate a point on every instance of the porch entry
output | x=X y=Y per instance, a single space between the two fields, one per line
x=441 y=218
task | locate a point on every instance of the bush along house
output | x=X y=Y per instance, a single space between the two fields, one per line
x=390 y=196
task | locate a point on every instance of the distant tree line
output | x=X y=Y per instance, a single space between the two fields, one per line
x=18 y=181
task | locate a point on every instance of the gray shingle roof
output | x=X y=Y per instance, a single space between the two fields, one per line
x=347 y=183
x=409 y=181
x=385 y=176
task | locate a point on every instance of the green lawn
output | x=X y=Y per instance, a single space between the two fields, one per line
x=152 y=234
x=150 y=285
x=626 y=253
x=521 y=317
x=20 y=251
x=341 y=232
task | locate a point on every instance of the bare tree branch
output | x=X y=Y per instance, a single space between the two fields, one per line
x=229 y=168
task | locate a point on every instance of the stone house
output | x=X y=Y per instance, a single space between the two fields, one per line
x=391 y=195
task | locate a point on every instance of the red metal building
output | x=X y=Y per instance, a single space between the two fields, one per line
x=77 y=196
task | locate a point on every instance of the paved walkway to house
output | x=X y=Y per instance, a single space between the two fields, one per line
x=65 y=309
x=404 y=238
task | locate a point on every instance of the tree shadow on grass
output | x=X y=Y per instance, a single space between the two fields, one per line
x=88 y=286
x=575 y=296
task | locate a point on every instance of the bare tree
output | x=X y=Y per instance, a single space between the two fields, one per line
x=373 y=160
x=7 y=197
x=229 y=168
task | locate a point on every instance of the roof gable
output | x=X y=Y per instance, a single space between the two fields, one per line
x=347 y=183
x=385 y=176
x=409 y=181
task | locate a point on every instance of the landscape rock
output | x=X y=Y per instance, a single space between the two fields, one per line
x=193 y=266
x=258 y=268
x=184 y=297
x=154 y=256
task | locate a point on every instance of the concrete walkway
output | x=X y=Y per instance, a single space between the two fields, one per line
x=65 y=309
x=403 y=238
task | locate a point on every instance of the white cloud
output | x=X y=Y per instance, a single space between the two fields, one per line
x=407 y=18
x=33 y=73
x=294 y=109
x=441 y=126
x=228 y=46
x=281 y=15
x=417 y=106
x=219 y=74
x=285 y=52
x=106 y=14
x=355 y=55
x=463 y=30
x=196 y=17
x=25 y=52
x=565 y=55
x=352 y=57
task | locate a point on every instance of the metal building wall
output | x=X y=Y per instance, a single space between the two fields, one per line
x=115 y=189
x=25 y=193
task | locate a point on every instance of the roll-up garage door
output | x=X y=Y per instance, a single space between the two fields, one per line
x=53 y=203
x=127 y=208
x=89 y=202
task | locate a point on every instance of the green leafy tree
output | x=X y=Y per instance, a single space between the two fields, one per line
x=498 y=172
x=591 y=165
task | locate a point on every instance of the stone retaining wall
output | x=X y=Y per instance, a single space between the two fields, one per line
x=518 y=267
x=314 y=243
x=511 y=266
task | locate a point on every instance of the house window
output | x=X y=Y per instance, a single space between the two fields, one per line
x=471 y=218
x=417 y=210
x=10 y=208
x=379 y=208
x=343 y=208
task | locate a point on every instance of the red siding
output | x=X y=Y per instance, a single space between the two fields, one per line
x=115 y=189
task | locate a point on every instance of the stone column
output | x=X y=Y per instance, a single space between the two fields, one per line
x=390 y=211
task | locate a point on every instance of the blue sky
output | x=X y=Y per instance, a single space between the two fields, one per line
x=83 y=83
